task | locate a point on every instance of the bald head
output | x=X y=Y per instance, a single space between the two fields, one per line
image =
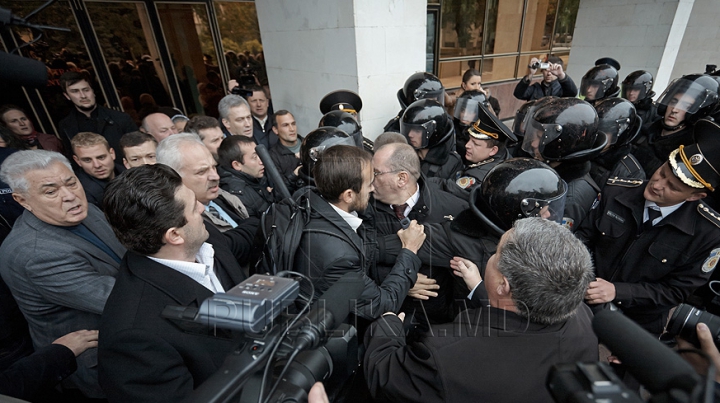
x=158 y=125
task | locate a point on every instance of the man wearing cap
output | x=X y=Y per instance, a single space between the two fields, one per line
x=656 y=241
x=341 y=100
x=485 y=149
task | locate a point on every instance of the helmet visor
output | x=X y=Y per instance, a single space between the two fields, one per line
x=466 y=111
x=538 y=136
x=613 y=128
x=418 y=135
x=549 y=209
x=592 y=90
x=687 y=95
x=333 y=141
x=634 y=92
x=438 y=95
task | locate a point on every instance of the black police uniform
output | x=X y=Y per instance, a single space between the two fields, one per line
x=655 y=269
x=474 y=174
x=616 y=163
x=582 y=192
x=652 y=149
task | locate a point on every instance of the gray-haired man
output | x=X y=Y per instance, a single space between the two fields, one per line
x=536 y=318
x=61 y=258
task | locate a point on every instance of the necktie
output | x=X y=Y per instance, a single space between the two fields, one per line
x=653 y=214
x=399 y=210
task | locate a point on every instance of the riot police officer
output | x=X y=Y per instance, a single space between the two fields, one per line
x=685 y=101
x=563 y=133
x=465 y=114
x=429 y=129
x=346 y=122
x=313 y=145
x=598 y=83
x=637 y=88
x=418 y=86
x=619 y=122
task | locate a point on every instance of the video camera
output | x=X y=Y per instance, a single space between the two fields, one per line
x=299 y=348
x=539 y=65
x=658 y=368
x=245 y=80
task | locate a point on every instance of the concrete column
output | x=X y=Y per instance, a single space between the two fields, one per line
x=640 y=34
x=701 y=42
x=367 y=46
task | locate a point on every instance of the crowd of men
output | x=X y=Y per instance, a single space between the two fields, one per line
x=483 y=250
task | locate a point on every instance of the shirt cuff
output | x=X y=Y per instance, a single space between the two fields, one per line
x=473 y=290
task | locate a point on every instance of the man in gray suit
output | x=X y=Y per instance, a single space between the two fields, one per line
x=61 y=258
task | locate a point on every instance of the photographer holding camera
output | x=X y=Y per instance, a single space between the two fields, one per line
x=554 y=82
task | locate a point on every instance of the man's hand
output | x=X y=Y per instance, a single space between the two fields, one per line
x=232 y=84
x=466 y=270
x=401 y=315
x=600 y=291
x=423 y=288
x=79 y=341
x=557 y=70
x=707 y=345
x=317 y=394
x=532 y=71
x=413 y=237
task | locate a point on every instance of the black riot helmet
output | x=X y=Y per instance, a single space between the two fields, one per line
x=519 y=188
x=345 y=122
x=600 y=82
x=467 y=107
x=318 y=141
x=618 y=120
x=425 y=124
x=696 y=94
x=641 y=81
x=526 y=109
x=421 y=85
x=564 y=129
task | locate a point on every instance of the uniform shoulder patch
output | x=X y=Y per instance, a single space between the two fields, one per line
x=568 y=223
x=628 y=183
x=465 y=181
x=709 y=214
x=711 y=261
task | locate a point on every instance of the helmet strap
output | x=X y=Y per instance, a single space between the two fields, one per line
x=672 y=128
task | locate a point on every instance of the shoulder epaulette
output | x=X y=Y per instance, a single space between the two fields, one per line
x=710 y=214
x=628 y=183
x=481 y=163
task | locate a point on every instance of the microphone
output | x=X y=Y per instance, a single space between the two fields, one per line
x=22 y=71
x=329 y=311
x=272 y=171
x=656 y=366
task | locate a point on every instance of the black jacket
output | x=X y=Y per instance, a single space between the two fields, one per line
x=652 y=149
x=330 y=248
x=35 y=376
x=251 y=191
x=656 y=269
x=433 y=206
x=582 y=192
x=485 y=355
x=286 y=162
x=441 y=161
x=616 y=163
x=109 y=123
x=94 y=187
x=558 y=88
x=264 y=135
x=647 y=110
x=143 y=357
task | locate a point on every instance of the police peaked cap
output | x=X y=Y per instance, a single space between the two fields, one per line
x=488 y=127
x=341 y=100
x=697 y=165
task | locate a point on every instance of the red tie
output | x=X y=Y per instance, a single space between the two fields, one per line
x=399 y=210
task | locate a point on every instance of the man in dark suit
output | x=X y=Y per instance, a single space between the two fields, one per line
x=88 y=116
x=262 y=120
x=142 y=356
x=536 y=318
x=61 y=258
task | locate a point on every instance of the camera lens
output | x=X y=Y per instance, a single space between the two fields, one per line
x=685 y=319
